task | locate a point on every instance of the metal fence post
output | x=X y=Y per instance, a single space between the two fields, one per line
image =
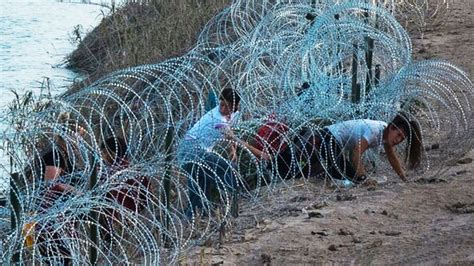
x=166 y=181
x=355 y=86
x=16 y=209
x=93 y=233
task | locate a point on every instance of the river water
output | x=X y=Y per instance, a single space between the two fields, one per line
x=35 y=38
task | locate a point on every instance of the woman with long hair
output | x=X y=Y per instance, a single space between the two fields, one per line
x=337 y=149
x=355 y=137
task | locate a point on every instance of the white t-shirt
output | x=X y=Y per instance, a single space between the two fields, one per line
x=349 y=133
x=211 y=127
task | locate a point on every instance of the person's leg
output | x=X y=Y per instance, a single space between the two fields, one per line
x=189 y=156
x=337 y=159
x=196 y=186
x=331 y=155
x=209 y=175
x=284 y=163
x=52 y=249
x=348 y=168
x=104 y=222
x=340 y=166
x=315 y=154
x=221 y=180
x=133 y=194
x=234 y=210
x=308 y=155
x=220 y=173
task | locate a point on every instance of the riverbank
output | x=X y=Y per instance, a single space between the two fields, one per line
x=427 y=221
x=424 y=221
x=137 y=34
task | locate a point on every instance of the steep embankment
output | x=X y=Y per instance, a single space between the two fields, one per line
x=137 y=34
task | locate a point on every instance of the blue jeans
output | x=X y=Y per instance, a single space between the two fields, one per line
x=208 y=174
x=332 y=156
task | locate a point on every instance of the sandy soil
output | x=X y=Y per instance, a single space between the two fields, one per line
x=424 y=221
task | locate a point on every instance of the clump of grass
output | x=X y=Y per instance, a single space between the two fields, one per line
x=142 y=32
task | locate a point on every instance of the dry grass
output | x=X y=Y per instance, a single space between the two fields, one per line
x=142 y=32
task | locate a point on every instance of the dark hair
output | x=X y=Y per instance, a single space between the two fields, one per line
x=412 y=130
x=114 y=145
x=231 y=96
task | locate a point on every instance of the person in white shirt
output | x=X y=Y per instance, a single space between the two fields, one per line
x=210 y=129
x=206 y=169
x=357 y=136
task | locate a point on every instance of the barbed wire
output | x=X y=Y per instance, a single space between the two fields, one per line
x=96 y=175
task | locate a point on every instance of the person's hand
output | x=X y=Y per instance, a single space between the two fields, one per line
x=80 y=131
x=52 y=172
x=229 y=134
x=233 y=153
x=361 y=178
x=404 y=178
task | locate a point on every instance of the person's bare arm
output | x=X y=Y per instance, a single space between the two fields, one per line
x=256 y=152
x=233 y=152
x=52 y=172
x=359 y=149
x=63 y=187
x=395 y=161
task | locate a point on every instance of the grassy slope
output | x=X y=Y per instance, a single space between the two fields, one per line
x=138 y=34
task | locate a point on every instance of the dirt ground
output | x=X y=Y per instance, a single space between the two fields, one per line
x=424 y=221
